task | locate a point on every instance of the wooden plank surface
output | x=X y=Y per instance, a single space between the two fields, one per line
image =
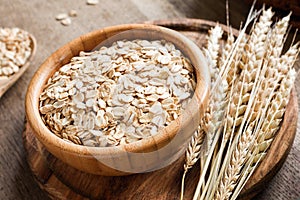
x=37 y=17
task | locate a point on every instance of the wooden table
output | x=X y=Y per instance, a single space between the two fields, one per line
x=38 y=17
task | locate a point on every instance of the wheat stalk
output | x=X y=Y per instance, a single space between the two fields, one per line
x=258 y=152
x=214 y=114
x=237 y=153
x=246 y=76
x=276 y=109
x=240 y=150
x=258 y=81
x=240 y=94
x=228 y=182
x=224 y=70
x=251 y=60
x=280 y=67
x=215 y=120
x=278 y=97
x=238 y=159
x=193 y=150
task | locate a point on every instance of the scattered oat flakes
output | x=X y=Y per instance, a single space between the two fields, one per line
x=65 y=18
x=118 y=94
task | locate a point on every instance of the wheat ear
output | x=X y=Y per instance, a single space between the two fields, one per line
x=252 y=15
x=280 y=102
x=278 y=36
x=250 y=61
x=211 y=52
x=239 y=99
x=279 y=93
x=237 y=154
x=276 y=49
x=277 y=107
x=215 y=112
x=192 y=154
x=238 y=158
x=212 y=48
x=226 y=54
x=193 y=150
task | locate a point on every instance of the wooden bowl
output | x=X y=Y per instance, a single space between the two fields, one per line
x=145 y=155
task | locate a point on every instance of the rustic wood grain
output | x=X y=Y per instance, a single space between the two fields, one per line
x=37 y=17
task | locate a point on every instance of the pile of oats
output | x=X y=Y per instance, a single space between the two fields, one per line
x=14 y=50
x=119 y=94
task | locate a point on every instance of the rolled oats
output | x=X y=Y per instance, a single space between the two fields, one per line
x=72 y=13
x=118 y=94
x=92 y=2
x=61 y=16
x=15 y=49
x=66 y=22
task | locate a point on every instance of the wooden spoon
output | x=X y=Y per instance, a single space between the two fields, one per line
x=6 y=83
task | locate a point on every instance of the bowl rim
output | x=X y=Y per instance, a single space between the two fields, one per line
x=49 y=138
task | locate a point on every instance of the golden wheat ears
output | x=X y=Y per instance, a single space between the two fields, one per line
x=251 y=83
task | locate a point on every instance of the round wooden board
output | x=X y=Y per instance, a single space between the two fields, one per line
x=61 y=181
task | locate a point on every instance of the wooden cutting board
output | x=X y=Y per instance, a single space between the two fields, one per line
x=61 y=181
